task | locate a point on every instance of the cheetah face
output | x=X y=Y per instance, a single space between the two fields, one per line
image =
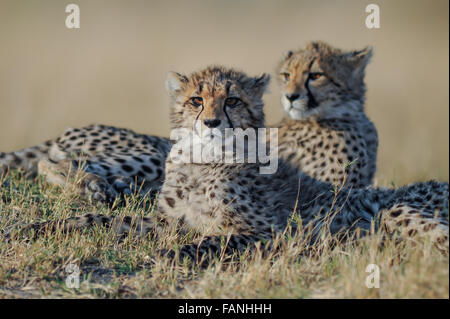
x=216 y=99
x=320 y=80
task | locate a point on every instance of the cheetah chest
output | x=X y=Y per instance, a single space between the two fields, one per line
x=192 y=194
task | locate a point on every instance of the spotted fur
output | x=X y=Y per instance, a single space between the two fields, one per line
x=235 y=205
x=326 y=132
x=117 y=161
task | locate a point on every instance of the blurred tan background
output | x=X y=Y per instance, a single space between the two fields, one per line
x=112 y=70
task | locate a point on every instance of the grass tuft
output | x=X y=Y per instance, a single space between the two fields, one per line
x=129 y=268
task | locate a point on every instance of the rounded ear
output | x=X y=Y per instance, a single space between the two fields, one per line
x=259 y=84
x=175 y=82
x=287 y=54
x=360 y=58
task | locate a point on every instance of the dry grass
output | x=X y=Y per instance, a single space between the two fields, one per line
x=109 y=269
x=112 y=71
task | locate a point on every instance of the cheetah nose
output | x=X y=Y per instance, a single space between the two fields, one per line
x=212 y=123
x=292 y=97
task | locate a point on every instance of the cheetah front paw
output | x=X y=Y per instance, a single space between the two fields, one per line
x=68 y=172
x=98 y=190
x=121 y=184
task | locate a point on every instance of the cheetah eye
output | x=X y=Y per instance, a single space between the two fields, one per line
x=286 y=76
x=232 y=101
x=196 y=101
x=315 y=75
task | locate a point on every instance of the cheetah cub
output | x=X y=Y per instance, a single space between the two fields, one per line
x=325 y=126
x=234 y=205
x=115 y=161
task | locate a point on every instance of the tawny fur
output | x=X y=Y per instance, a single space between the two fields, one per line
x=119 y=161
x=234 y=205
x=326 y=132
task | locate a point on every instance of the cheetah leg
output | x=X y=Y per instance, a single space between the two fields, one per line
x=213 y=246
x=123 y=185
x=120 y=225
x=65 y=173
x=200 y=253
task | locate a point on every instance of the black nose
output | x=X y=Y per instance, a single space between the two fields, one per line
x=212 y=123
x=292 y=97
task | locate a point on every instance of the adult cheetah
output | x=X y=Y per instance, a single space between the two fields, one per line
x=326 y=132
x=235 y=205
